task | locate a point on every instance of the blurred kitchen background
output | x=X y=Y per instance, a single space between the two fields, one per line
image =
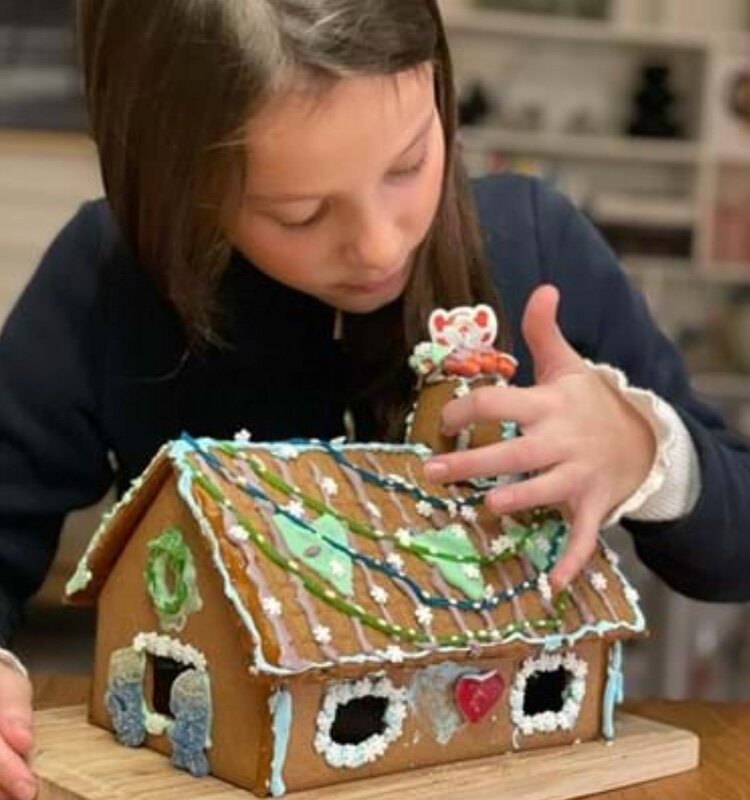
x=639 y=110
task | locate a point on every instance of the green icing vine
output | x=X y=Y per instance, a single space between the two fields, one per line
x=353 y=610
x=425 y=549
x=171 y=579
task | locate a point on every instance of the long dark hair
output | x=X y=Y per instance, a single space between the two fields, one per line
x=168 y=170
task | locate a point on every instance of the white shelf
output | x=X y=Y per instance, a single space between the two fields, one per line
x=531 y=26
x=581 y=146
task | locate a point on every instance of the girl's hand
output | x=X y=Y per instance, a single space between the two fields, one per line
x=16 y=779
x=588 y=448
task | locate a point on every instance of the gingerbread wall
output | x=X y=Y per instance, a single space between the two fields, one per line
x=240 y=705
x=418 y=746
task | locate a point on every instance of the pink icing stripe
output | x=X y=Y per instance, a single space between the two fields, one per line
x=300 y=591
x=531 y=574
x=604 y=597
x=288 y=654
x=366 y=572
x=582 y=607
x=385 y=546
x=515 y=603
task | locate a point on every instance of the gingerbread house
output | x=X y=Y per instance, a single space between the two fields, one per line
x=291 y=615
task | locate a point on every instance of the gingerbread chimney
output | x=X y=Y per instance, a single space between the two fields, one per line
x=459 y=358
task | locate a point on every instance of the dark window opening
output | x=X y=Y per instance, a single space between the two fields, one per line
x=358 y=720
x=545 y=691
x=165 y=671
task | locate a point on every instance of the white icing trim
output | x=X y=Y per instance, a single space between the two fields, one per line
x=166 y=647
x=549 y=721
x=352 y=756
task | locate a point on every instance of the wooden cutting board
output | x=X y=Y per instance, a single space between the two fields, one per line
x=77 y=761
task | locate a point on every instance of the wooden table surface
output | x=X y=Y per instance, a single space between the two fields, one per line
x=724 y=730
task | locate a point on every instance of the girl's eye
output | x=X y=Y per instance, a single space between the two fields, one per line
x=305 y=223
x=410 y=171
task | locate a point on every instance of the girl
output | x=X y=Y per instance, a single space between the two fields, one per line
x=285 y=206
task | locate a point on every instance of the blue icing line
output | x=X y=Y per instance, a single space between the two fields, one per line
x=434 y=601
x=280 y=704
x=613 y=691
x=178 y=450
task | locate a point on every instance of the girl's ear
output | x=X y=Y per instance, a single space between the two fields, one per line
x=486 y=324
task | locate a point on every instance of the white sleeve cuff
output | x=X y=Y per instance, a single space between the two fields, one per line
x=6 y=657
x=673 y=484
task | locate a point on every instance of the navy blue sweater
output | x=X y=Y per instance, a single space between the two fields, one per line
x=95 y=376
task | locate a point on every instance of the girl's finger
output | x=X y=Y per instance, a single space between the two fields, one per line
x=548 y=489
x=494 y=404
x=16 y=778
x=582 y=542
x=522 y=454
x=15 y=710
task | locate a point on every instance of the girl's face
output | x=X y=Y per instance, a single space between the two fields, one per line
x=343 y=186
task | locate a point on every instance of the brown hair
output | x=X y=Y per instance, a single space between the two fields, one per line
x=167 y=170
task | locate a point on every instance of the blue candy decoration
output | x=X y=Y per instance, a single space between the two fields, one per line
x=190 y=704
x=124 y=696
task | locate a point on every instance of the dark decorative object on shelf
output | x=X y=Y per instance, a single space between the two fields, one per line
x=654 y=100
x=474 y=105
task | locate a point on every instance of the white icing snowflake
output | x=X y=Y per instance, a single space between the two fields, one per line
x=500 y=544
x=395 y=560
x=471 y=571
x=403 y=537
x=322 y=634
x=545 y=590
x=271 y=606
x=451 y=508
x=394 y=654
x=542 y=544
x=296 y=508
x=329 y=486
x=243 y=436
x=598 y=581
x=286 y=451
x=424 y=616
x=379 y=595
x=374 y=510
x=424 y=509
x=337 y=568
x=631 y=595
x=469 y=513
x=237 y=534
x=462 y=389
x=611 y=556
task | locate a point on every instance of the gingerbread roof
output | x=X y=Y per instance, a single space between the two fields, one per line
x=335 y=555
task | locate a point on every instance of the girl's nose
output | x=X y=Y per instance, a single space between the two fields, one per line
x=376 y=245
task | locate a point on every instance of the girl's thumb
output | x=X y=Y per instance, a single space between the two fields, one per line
x=552 y=354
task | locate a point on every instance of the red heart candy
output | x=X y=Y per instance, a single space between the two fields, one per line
x=475 y=695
